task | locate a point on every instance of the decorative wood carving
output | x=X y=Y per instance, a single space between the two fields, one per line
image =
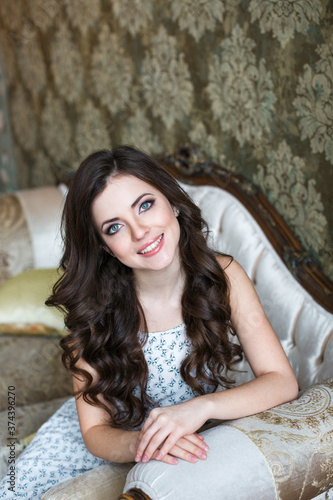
x=190 y=165
x=134 y=494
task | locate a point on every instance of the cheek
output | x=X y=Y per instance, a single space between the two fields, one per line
x=112 y=245
x=169 y=219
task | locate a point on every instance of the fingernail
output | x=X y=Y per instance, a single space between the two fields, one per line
x=202 y=455
x=145 y=459
x=205 y=447
x=193 y=459
x=174 y=461
x=137 y=458
x=159 y=456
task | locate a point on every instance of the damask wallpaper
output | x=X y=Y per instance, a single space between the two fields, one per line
x=250 y=81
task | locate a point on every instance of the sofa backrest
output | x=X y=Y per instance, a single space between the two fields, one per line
x=305 y=328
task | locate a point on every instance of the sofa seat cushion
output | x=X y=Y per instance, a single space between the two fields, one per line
x=105 y=482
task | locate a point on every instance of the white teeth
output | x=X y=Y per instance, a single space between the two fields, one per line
x=152 y=246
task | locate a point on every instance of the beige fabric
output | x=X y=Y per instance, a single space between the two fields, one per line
x=15 y=244
x=33 y=365
x=29 y=230
x=103 y=483
x=297 y=440
x=43 y=207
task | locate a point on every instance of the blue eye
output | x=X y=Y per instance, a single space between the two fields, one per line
x=114 y=228
x=146 y=205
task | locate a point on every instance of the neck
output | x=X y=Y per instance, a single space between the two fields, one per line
x=161 y=285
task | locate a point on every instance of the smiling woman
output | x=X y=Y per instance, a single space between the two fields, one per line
x=146 y=227
x=151 y=311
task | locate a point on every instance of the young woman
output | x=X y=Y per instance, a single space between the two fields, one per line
x=151 y=312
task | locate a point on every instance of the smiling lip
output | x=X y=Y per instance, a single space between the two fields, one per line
x=152 y=247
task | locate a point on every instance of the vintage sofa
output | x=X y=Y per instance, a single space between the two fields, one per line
x=284 y=453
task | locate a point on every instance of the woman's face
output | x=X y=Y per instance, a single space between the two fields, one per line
x=137 y=223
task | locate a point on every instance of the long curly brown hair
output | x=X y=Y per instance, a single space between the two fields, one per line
x=97 y=293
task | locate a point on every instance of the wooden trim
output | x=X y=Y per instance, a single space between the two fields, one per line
x=190 y=165
x=134 y=494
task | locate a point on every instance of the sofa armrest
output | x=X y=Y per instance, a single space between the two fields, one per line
x=291 y=448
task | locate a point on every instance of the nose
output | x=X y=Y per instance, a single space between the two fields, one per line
x=139 y=230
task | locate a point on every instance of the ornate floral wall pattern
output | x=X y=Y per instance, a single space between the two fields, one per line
x=166 y=82
x=250 y=81
x=314 y=104
x=66 y=64
x=112 y=71
x=133 y=15
x=197 y=16
x=82 y=13
x=285 y=18
x=295 y=197
x=240 y=89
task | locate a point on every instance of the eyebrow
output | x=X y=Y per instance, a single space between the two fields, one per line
x=132 y=206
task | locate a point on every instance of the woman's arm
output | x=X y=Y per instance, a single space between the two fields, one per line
x=275 y=382
x=118 y=445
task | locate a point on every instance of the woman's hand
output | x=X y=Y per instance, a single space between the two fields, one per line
x=188 y=448
x=165 y=428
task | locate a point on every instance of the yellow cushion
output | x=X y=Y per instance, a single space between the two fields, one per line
x=22 y=307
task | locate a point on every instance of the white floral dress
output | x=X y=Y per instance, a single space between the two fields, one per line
x=57 y=452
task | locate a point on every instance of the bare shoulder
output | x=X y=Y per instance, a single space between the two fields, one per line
x=231 y=267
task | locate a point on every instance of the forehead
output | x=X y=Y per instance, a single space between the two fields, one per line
x=121 y=191
x=127 y=185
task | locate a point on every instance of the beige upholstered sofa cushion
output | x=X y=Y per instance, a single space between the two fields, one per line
x=106 y=482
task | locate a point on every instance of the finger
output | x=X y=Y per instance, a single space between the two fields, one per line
x=149 y=443
x=190 y=449
x=195 y=439
x=180 y=452
x=150 y=427
x=157 y=442
x=168 y=459
x=148 y=423
x=168 y=444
